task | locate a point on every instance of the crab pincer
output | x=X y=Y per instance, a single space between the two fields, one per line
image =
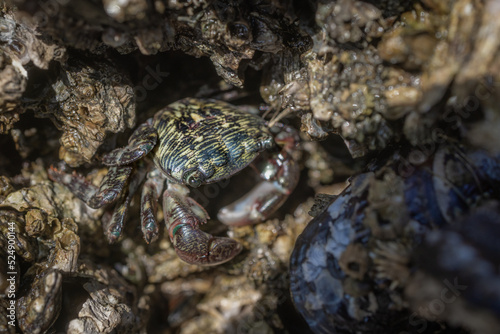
x=279 y=175
x=183 y=217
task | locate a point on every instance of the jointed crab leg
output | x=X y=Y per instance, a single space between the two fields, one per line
x=141 y=142
x=149 y=202
x=279 y=174
x=114 y=227
x=183 y=217
x=111 y=185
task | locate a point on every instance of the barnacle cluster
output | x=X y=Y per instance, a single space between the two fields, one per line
x=409 y=89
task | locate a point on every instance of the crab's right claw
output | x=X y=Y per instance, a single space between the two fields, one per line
x=279 y=174
x=183 y=217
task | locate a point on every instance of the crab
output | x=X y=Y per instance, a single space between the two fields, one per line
x=194 y=142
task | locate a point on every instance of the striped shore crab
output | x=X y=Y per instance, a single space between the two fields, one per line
x=194 y=142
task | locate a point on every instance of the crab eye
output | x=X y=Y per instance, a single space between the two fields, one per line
x=193 y=179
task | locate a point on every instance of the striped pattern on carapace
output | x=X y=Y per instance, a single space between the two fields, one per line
x=211 y=138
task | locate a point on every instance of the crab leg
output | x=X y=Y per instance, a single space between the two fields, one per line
x=149 y=203
x=141 y=142
x=279 y=174
x=114 y=227
x=111 y=185
x=183 y=217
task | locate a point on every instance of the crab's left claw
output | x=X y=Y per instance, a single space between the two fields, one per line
x=279 y=174
x=183 y=217
x=194 y=246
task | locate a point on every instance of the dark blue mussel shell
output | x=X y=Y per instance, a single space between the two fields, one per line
x=351 y=264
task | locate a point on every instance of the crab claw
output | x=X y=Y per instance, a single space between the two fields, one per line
x=279 y=174
x=194 y=246
x=254 y=207
x=183 y=217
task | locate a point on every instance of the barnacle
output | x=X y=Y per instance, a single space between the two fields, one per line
x=12 y=85
x=86 y=101
x=364 y=92
x=20 y=50
x=228 y=34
